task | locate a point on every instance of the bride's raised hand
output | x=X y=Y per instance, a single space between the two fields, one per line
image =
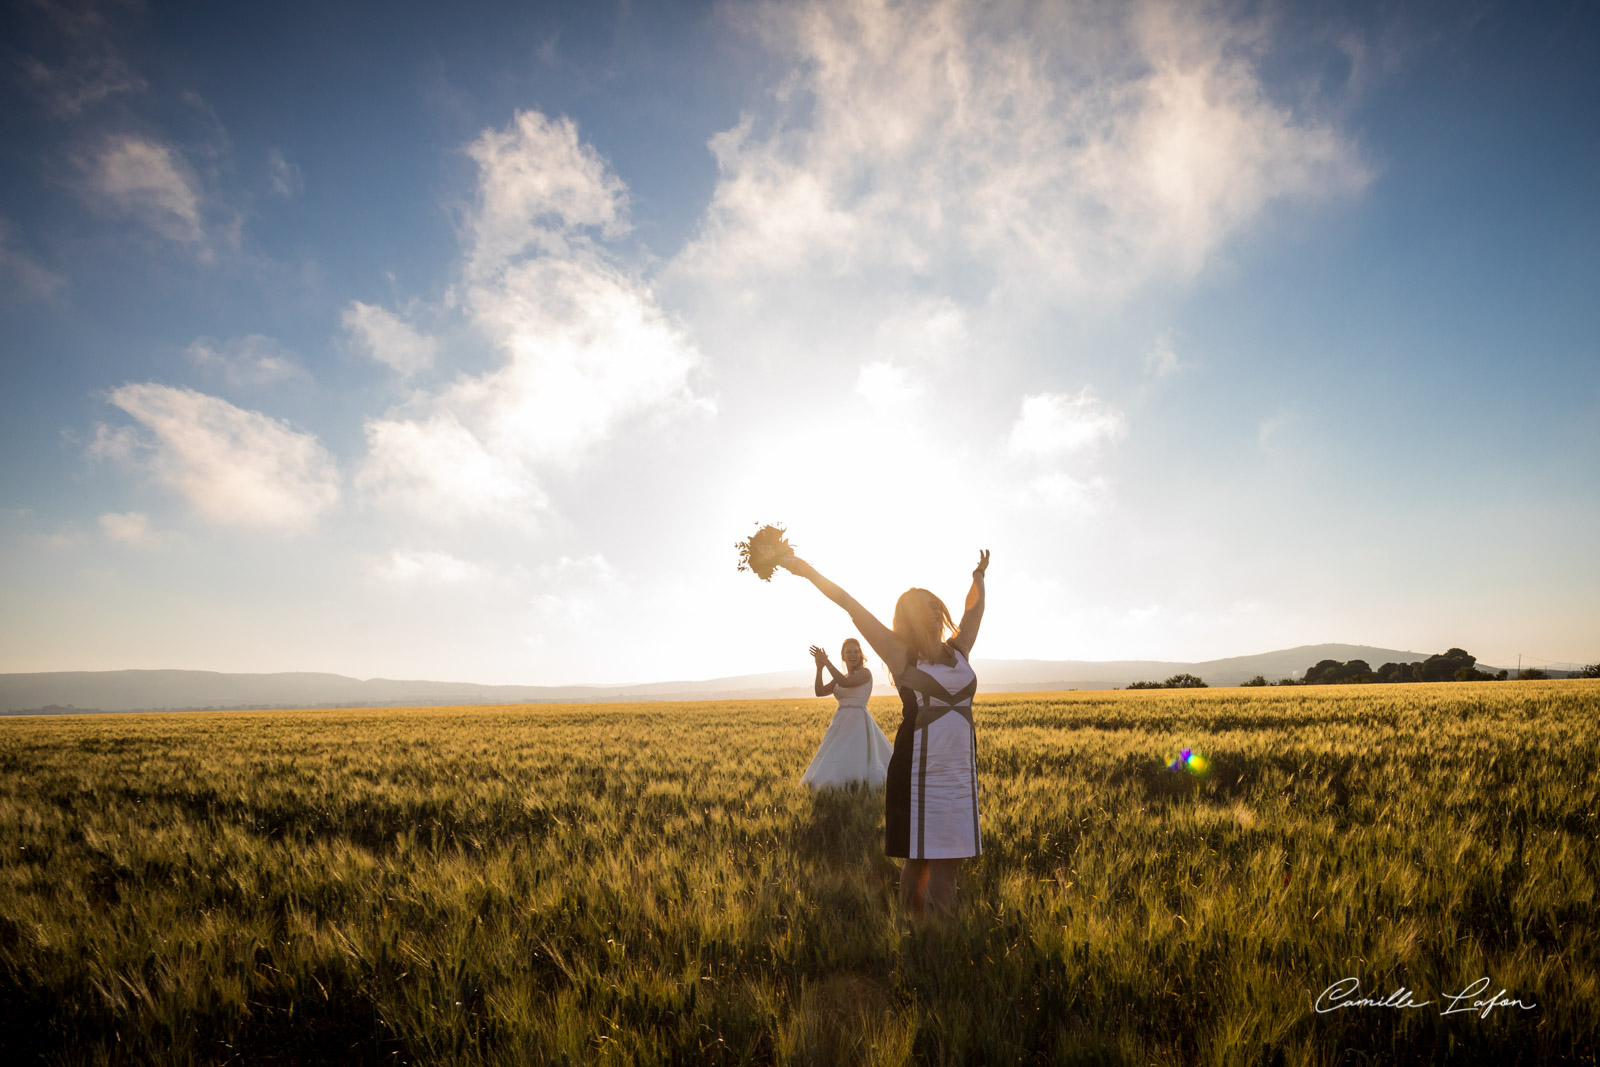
x=983 y=565
x=819 y=655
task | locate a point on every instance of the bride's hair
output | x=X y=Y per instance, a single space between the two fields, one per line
x=921 y=620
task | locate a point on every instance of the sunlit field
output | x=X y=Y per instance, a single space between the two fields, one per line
x=647 y=883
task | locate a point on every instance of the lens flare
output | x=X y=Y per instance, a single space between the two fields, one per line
x=1190 y=760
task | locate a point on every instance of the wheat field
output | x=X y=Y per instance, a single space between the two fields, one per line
x=648 y=883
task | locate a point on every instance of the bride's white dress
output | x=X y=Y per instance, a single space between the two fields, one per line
x=853 y=749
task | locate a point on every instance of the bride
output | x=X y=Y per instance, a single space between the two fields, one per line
x=853 y=749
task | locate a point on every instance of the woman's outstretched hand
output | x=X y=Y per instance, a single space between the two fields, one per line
x=819 y=655
x=983 y=565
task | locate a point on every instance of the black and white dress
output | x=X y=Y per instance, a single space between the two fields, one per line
x=931 y=806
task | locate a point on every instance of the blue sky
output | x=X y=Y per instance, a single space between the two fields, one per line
x=388 y=341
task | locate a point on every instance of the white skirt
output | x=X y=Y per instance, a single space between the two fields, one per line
x=853 y=750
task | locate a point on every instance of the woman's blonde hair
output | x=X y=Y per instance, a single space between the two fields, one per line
x=921 y=620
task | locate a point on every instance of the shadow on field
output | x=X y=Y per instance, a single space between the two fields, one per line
x=1070 y=1006
x=838 y=843
x=844 y=828
x=1323 y=782
x=842 y=1019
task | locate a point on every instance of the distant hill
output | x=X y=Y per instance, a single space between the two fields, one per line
x=1021 y=674
x=177 y=689
x=85 y=691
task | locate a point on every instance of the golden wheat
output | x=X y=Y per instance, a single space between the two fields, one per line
x=648 y=883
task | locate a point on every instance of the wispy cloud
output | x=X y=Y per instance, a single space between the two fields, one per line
x=888 y=385
x=120 y=153
x=930 y=331
x=1054 y=438
x=1060 y=494
x=579 y=590
x=135 y=177
x=246 y=361
x=1162 y=362
x=1274 y=431
x=129 y=528
x=234 y=467
x=69 y=536
x=389 y=339
x=1090 y=147
x=1051 y=425
x=584 y=348
x=538 y=187
x=284 y=177
x=407 y=566
x=437 y=469
x=85 y=68
x=587 y=348
x=81 y=82
x=21 y=273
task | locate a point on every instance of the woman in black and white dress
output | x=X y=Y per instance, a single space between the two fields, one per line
x=931 y=801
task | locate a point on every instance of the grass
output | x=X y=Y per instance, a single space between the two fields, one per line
x=648 y=883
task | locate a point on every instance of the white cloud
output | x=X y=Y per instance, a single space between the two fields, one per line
x=888 y=385
x=68 y=536
x=579 y=591
x=1162 y=362
x=130 y=528
x=283 y=176
x=1062 y=494
x=73 y=87
x=437 y=469
x=246 y=361
x=1273 y=431
x=538 y=184
x=1081 y=148
x=234 y=467
x=421 y=567
x=138 y=178
x=1055 y=424
x=117 y=444
x=927 y=331
x=585 y=350
x=89 y=70
x=20 y=273
x=768 y=213
x=389 y=339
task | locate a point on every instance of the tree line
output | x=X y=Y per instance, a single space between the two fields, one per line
x=1454 y=665
x=1177 y=681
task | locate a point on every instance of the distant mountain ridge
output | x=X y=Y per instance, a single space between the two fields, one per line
x=153 y=690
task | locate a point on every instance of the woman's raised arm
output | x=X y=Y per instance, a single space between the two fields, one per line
x=889 y=647
x=972 y=616
x=821 y=688
x=854 y=678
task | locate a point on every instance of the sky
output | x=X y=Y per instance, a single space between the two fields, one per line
x=463 y=343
